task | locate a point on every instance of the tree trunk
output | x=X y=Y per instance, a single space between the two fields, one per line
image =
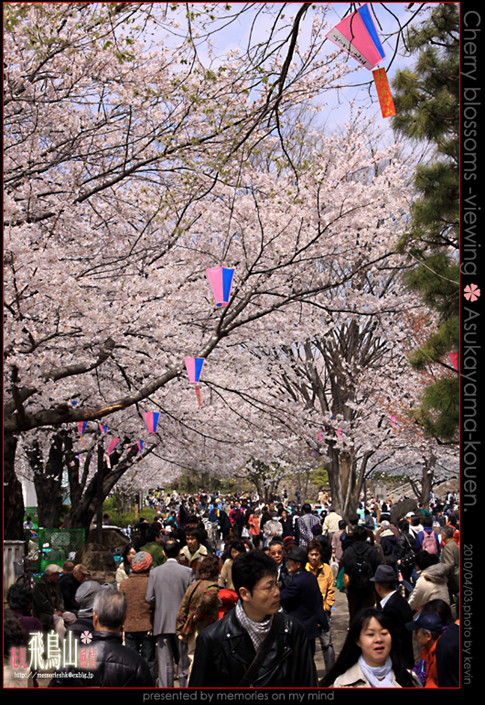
x=83 y=511
x=427 y=482
x=47 y=481
x=13 y=502
x=345 y=486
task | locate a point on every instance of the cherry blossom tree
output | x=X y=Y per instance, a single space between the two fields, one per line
x=361 y=395
x=128 y=171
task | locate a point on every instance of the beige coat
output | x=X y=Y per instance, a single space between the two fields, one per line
x=354 y=678
x=432 y=584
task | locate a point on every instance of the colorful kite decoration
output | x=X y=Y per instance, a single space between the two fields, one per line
x=357 y=35
x=151 y=419
x=103 y=428
x=339 y=433
x=454 y=360
x=393 y=423
x=220 y=279
x=109 y=448
x=194 y=367
x=384 y=93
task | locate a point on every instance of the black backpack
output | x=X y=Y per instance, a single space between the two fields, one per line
x=360 y=572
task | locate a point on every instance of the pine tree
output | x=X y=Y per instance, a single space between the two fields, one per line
x=427 y=109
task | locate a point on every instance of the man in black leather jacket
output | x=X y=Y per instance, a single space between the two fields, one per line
x=225 y=650
x=116 y=666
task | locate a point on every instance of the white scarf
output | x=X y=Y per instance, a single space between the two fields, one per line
x=379 y=676
x=256 y=630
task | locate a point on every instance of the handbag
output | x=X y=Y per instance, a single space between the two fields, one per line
x=263 y=651
x=409 y=559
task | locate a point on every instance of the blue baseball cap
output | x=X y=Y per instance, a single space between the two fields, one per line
x=426 y=620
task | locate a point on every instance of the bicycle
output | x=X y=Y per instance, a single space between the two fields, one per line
x=26 y=568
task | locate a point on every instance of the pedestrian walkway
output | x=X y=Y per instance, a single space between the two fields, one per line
x=340 y=623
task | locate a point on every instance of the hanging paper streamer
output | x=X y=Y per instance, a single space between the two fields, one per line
x=384 y=93
x=220 y=279
x=151 y=419
x=194 y=367
x=454 y=360
x=109 y=448
x=82 y=427
x=357 y=35
x=102 y=428
x=393 y=423
x=339 y=433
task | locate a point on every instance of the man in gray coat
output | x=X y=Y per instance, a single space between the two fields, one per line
x=167 y=584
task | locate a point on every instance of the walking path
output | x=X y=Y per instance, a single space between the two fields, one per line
x=339 y=626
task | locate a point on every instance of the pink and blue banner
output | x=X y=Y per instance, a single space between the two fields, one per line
x=220 y=279
x=357 y=35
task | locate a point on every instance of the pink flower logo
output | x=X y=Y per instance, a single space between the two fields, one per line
x=472 y=292
x=86 y=637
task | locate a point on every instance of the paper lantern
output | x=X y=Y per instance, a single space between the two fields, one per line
x=454 y=360
x=109 y=448
x=220 y=279
x=82 y=427
x=151 y=419
x=357 y=35
x=140 y=449
x=194 y=367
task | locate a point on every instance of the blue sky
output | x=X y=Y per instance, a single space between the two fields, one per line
x=360 y=87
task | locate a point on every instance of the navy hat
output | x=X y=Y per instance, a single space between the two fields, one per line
x=384 y=574
x=426 y=620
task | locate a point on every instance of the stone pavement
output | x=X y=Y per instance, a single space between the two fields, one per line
x=339 y=626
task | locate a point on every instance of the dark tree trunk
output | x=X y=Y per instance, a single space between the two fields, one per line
x=83 y=511
x=47 y=481
x=13 y=502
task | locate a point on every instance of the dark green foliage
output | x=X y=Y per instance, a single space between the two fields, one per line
x=427 y=107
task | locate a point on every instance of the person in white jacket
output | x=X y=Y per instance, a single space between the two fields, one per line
x=368 y=658
x=432 y=583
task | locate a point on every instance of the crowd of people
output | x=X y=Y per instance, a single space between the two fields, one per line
x=228 y=592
